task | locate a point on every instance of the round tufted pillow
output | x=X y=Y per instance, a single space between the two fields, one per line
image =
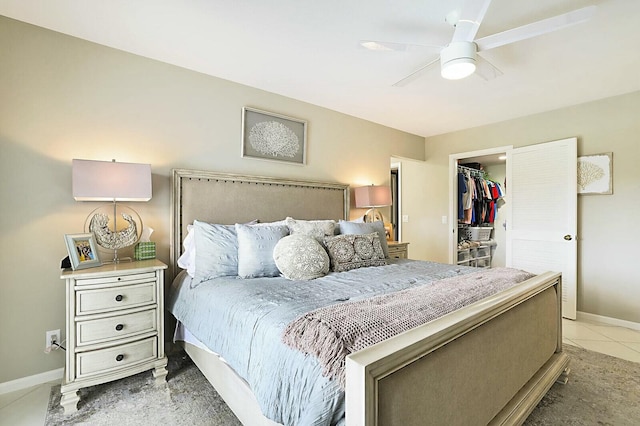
x=301 y=257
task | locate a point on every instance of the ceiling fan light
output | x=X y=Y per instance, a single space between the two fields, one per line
x=458 y=69
x=458 y=60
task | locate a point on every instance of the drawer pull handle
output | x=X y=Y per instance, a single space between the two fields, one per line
x=119 y=327
x=119 y=357
x=119 y=298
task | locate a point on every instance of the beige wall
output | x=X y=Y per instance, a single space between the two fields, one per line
x=63 y=98
x=417 y=203
x=607 y=248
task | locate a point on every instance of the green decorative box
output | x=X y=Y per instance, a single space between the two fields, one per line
x=145 y=251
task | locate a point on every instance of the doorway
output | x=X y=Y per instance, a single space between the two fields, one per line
x=395 y=183
x=497 y=171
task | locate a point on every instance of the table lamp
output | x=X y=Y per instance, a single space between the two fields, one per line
x=114 y=182
x=373 y=196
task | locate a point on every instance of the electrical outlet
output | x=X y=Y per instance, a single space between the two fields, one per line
x=50 y=337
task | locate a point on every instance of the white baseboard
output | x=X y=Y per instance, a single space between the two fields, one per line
x=29 y=381
x=584 y=316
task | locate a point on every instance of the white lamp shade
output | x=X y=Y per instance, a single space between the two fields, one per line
x=373 y=196
x=110 y=181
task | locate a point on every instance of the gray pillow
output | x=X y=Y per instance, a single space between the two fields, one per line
x=216 y=253
x=366 y=228
x=255 y=250
x=317 y=229
x=351 y=251
x=301 y=257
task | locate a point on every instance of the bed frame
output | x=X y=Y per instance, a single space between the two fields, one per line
x=488 y=363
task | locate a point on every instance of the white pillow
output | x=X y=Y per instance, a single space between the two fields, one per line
x=301 y=257
x=188 y=258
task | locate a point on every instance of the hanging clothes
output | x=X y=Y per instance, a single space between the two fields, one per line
x=477 y=197
x=462 y=191
x=496 y=194
x=479 y=204
x=468 y=198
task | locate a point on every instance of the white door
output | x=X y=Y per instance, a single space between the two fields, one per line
x=542 y=193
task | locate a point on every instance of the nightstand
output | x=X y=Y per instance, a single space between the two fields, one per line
x=115 y=325
x=398 y=250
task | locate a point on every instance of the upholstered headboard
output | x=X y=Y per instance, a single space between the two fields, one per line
x=229 y=198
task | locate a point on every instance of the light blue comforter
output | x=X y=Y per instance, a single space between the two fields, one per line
x=243 y=320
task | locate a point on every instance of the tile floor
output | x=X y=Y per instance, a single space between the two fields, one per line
x=28 y=407
x=607 y=339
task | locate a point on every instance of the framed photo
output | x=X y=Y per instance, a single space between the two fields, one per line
x=82 y=250
x=595 y=174
x=270 y=136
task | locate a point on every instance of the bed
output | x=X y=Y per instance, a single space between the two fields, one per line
x=489 y=362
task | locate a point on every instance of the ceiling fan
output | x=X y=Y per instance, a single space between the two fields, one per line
x=460 y=59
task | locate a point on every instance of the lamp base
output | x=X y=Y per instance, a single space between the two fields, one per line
x=115 y=227
x=117 y=259
x=373 y=215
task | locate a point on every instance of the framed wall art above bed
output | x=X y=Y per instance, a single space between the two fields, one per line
x=271 y=136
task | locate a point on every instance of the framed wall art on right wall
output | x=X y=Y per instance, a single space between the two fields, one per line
x=595 y=174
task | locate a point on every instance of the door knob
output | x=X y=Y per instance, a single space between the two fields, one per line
x=567 y=237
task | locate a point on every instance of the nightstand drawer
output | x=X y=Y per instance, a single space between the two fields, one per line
x=118 y=279
x=114 y=298
x=398 y=250
x=116 y=327
x=105 y=360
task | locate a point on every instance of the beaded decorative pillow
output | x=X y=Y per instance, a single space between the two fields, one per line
x=365 y=228
x=351 y=251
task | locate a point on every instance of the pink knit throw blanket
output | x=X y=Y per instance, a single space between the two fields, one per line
x=333 y=332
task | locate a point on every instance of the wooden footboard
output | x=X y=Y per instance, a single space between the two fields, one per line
x=488 y=363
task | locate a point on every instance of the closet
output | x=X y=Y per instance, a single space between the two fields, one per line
x=480 y=195
x=532 y=239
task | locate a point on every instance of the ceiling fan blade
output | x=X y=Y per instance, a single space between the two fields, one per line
x=485 y=69
x=470 y=19
x=396 y=47
x=536 y=28
x=416 y=74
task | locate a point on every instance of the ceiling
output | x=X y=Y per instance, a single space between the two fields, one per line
x=309 y=51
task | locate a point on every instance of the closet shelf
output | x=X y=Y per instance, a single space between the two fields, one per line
x=475 y=256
